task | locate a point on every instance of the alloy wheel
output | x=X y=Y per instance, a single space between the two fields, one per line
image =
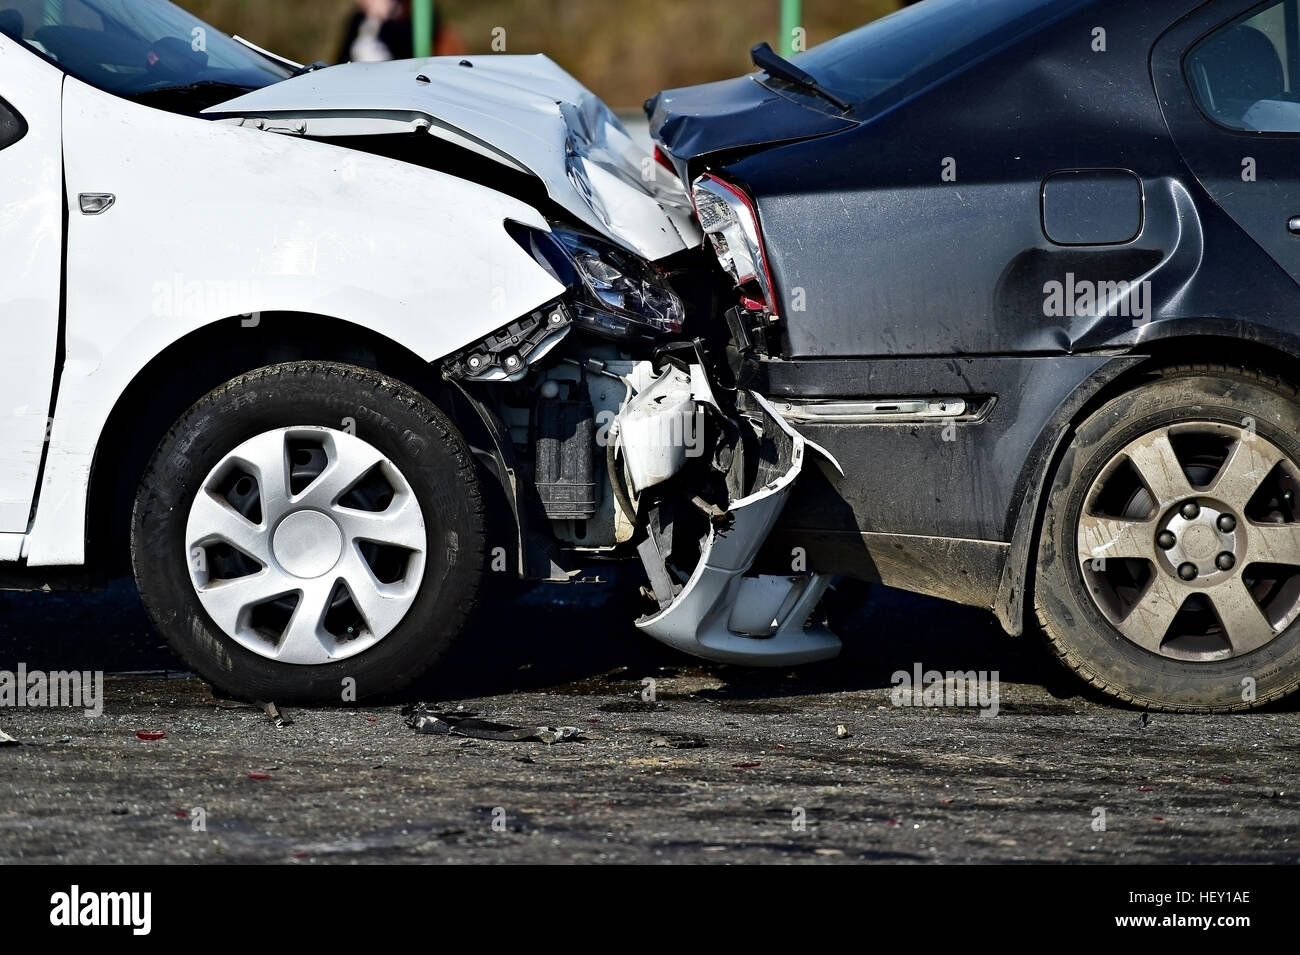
x=1189 y=544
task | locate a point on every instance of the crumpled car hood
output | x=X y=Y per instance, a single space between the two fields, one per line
x=523 y=111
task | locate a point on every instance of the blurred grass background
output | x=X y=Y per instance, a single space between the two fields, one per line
x=624 y=50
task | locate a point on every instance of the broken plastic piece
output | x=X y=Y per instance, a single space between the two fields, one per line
x=275 y=716
x=723 y=615
x=456 y=724
x=656 y=427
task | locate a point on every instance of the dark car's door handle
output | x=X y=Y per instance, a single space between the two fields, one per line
x=1293 y=225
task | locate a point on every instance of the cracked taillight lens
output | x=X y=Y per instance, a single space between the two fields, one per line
x=730 y=224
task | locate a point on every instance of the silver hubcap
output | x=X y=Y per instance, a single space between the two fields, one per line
x=306 y=545
x=1189 y=542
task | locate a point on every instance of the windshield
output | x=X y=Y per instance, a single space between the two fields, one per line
x=881 y=64
x=139 y=48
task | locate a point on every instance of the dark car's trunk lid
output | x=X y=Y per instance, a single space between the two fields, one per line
x=734 y=115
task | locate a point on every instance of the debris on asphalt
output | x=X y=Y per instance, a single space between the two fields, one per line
x=258 y=774
x=842 y=731
x=423 y=720
x=150 y=735
x=632 y=706
x=224 y=704
x=7 y=740
x=679 y=741
x=273 y=714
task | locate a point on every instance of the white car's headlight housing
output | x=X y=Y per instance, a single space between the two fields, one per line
x=730 y=224
x=617 y=294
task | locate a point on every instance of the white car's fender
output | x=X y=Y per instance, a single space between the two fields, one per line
x=210 y=220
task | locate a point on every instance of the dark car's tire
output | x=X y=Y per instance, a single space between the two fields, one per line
x=310 y=532
x=1174 y=583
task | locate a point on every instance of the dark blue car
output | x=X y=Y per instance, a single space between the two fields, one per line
x=1027 y=270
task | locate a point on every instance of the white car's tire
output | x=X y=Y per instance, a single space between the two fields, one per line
x=310 y=532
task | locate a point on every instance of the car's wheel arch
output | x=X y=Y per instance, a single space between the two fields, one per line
x=209 y=356
x=1014 y=602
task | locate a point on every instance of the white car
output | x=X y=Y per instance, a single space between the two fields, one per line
x=317 y=350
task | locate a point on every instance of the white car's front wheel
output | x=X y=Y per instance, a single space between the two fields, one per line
x=310 y=532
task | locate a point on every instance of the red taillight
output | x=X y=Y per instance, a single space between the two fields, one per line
x=752 y=227
x=662 y=160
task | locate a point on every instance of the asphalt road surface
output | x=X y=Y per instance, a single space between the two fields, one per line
x=723 y=765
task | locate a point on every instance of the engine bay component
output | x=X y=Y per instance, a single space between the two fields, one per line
x=659 y=428
x=506 y=354
x=564 y=432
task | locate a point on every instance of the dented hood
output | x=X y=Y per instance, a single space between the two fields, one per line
x=522 y=111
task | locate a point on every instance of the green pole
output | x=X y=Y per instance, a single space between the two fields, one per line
x=422 y=27
x=791 y=20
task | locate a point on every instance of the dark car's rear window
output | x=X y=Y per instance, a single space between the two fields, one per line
x=886 y=61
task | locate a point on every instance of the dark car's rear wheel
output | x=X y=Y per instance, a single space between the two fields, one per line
x=1169 y=562
x=310 y=532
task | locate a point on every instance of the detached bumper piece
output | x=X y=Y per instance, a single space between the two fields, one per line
x=720 y=613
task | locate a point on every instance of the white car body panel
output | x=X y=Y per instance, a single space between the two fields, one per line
x=213 y=221
x=31 y=250
x=523 y=111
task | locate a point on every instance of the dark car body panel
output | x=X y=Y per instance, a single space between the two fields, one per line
x=733 y=115
x=1010 y=124
x=935 y=506
x=893 y=280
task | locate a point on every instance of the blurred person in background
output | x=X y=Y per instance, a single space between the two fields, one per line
x=381 y=30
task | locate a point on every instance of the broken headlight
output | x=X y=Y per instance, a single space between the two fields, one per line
x=617 y=294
